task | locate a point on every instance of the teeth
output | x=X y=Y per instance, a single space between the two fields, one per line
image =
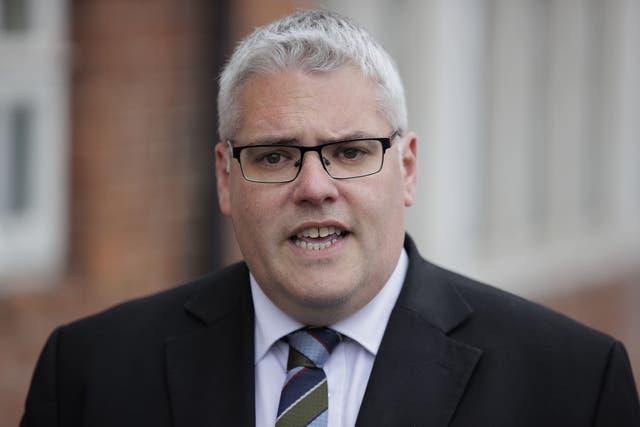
x=315 y=232
x=318 y=232
x=317 y=246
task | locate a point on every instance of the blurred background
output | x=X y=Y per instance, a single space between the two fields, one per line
x=528 y=113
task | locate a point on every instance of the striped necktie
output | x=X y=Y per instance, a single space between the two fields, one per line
x=304 y=399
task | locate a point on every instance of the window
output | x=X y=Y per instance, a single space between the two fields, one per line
x=33 y=139
x=14 y=15
x=15 y=162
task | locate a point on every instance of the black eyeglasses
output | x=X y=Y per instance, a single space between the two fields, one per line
x=277 y=163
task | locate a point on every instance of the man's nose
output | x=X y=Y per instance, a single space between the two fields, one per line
x=313 y=184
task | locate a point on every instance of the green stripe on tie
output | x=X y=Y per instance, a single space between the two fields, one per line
x=307 y=409
x=298 y=359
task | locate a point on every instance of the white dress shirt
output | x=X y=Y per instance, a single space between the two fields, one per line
x=350 y=363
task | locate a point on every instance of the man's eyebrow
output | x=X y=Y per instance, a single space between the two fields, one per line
x=287 y=140
x=351 y=135
x=274 y=140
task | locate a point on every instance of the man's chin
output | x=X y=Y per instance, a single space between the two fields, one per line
x=324 y=302
x=323 y=296
x=321 y=310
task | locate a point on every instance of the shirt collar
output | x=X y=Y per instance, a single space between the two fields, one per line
x=271 y=323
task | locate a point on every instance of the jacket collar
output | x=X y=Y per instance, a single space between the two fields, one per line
x=215 y=359
x=420 y=373
x=429 y=294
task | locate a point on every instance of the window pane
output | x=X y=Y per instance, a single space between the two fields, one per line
x=20 y=122
x=14 y=15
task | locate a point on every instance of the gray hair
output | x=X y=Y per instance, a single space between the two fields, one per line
x=313 y=41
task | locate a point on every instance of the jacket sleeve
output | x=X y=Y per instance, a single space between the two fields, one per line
x=41 y=409
x=618 y=402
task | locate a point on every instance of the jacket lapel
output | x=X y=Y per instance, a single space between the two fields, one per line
x=210 y=371
x=420 y=373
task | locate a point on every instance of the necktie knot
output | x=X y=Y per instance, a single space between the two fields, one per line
x=311 y=347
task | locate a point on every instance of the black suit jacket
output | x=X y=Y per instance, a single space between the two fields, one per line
x=455 y=352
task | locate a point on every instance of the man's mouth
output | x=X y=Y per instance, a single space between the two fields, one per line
x=318 y=238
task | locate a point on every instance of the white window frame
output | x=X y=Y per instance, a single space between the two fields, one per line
x=34 y=75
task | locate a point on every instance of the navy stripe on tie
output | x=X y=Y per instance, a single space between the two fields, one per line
x=303 y=380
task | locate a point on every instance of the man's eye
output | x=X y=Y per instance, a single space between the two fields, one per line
x=273 y=158
x=351 y=153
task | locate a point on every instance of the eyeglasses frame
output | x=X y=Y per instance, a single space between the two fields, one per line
x=386 y=144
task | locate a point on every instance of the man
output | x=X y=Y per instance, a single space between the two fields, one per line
x=315 y=167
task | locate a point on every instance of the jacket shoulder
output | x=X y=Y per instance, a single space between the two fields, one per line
x=540 y=355
x=504 y=311
x=164 y=312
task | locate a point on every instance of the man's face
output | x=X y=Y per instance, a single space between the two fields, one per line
x=320 y=283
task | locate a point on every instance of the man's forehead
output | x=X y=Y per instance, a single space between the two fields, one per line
x=292 y=106
x=259 y=83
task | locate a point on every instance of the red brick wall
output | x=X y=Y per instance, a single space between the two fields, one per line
x=144 y=116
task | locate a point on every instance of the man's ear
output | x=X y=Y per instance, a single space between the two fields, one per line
x=409 y=164
x=223 y=172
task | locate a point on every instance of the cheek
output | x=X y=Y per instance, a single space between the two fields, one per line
x=390 y=203
x=252 y=209
x=382 y=202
